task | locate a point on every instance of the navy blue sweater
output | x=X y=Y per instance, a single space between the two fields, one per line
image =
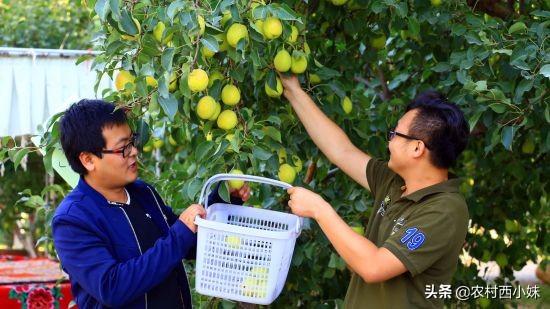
x=99 y=249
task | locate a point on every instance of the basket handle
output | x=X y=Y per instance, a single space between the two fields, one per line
x=203 y=200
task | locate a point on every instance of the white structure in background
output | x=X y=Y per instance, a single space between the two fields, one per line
x=38 y=83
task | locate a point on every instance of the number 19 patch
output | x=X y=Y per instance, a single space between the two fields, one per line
x=413 y=238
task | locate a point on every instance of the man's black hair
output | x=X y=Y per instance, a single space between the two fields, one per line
x=81 y=129
x=441 y=125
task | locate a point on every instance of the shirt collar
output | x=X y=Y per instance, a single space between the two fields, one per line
x=84 y=187
x=121 y=204
x=449 y=186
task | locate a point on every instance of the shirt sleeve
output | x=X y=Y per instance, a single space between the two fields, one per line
x=424 y=239
x=378 y=175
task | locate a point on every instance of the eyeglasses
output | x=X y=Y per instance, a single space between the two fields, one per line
x=392 y=134
x=126 y=150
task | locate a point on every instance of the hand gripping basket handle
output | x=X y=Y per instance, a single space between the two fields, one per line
x=203 y=200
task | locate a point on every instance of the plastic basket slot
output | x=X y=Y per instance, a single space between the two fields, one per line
x=251 y=282
x=231 y=244
x=246 y=252
x=262 y=224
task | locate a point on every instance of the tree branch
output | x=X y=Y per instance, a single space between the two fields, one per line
x=310 y=172
x=386 y=94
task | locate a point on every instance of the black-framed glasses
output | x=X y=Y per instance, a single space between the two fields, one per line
x=392 y=134
x=125 y=150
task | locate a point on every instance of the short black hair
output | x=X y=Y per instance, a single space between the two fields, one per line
x=441 y=125
x=81 y=129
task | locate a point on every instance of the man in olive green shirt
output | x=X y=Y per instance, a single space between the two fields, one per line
x=419 y=221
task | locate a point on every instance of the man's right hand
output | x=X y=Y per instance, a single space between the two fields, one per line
x=189 y=214
x=291 y=85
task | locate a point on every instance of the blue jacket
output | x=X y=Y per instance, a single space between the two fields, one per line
x=99 y=249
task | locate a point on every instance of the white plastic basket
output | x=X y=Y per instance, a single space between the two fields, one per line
x=244 y=253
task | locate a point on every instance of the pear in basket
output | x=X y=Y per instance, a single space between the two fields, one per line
x=234 y=242
x=253 y=286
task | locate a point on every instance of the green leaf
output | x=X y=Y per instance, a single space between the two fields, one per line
x=102 y=9
x=261 y=154
x=21 y=153
x=224 y=5
x=84 y=58
x=169 y=105
x=414 y=26
x=193 y=187
x=441 y=67
x=272 y=79
x=167 y=58
x=336 y=262
x=163 y=85
x=329 y=273
x=211 y=43
x=481 y=85
x=498 y=108
x=520 y=64
x=472 y=38
x=5 y=141
x=115 y=9
x=283 y=12
x=541 y=13
x=503 y=51
x=274 y=120
x=474 y=119
x=337 y=88
x=273 y=133
x=474 y=21
x=508 y=136
x=516 y=27
x=523 y=86
x=260 y=12
x=33 y=201
x=328 y=73
x=173 y=9
x=398 y=80
x=114 y=47
x=203 y=149
x=258 y=134
x=223 y=191
x=545 y=70
x=463 y=77
x=378 y=6
x=143 y=131
x=47 y=160
x=127 y=23
x=401 y=7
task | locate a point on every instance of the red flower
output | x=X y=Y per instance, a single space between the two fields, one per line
x=40 y=298
x=22 y=288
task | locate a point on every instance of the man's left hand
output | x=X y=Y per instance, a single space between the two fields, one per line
x=305 y=203
x=243 y=193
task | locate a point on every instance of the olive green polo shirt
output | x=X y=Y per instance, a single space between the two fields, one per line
x=425 y=230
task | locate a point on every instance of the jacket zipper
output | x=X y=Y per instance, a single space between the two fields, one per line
x=167 y=225
x=137 y=241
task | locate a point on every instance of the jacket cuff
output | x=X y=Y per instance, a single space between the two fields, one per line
x=185 y=236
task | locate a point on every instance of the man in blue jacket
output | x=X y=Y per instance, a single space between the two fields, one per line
x=115 y=237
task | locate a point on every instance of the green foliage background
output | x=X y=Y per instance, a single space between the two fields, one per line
x=63 y=24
